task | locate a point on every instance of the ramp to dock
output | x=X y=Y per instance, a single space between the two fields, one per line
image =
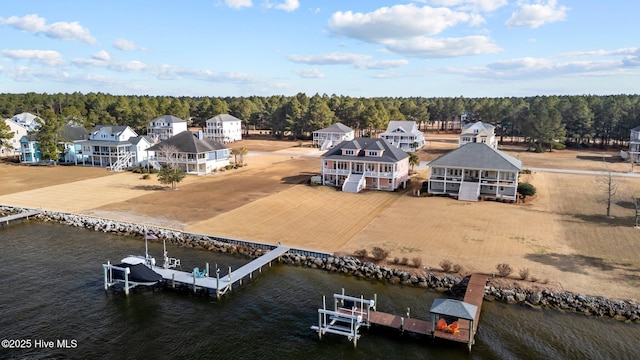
x=22 y=215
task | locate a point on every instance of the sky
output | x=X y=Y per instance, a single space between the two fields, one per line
x=358 y=48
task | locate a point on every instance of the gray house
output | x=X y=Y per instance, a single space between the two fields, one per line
x=475 y=171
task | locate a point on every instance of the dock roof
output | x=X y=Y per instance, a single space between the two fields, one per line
x=455 y=308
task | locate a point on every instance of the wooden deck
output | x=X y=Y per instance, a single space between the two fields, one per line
x=21 y=215
x=473 y=295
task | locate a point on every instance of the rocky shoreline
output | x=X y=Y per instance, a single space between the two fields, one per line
x=622 y=310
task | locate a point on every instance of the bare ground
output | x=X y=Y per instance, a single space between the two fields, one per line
x=561 y=236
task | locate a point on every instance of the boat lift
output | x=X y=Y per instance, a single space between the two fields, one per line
x=345 y=321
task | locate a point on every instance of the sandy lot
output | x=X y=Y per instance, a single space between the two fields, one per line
x=562 y=236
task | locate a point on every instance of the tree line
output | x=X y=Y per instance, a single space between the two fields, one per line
x=541 y=121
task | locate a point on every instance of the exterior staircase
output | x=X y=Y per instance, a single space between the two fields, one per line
x=354 y=183
x=469 y=191
x=122 y=163
x=326 y=145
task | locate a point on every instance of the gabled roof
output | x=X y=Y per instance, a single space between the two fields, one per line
x=137 y=139
x=478 y=125
x=637 y=128
x=73 y=133
x=109 y=129
x=170 y=119
x=336 y=128
x=390 y=153
x=408 y=127
x=224 y=118
x=454 y=308
x=186 y=142
x=477 y=156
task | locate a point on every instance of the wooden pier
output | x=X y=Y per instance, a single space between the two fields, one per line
x=23 y=215
x=197 y=280
x=467 y=325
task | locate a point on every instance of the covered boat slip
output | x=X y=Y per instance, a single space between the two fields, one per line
x=200 y=280
x=463 y=316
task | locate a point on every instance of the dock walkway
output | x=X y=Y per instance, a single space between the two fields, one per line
x=474 y=295
x=218 y=284
x=22 y=215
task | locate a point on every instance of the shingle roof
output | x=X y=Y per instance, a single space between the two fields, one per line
x=73 y=133
x=637 y=128
x=477 y=156
x=408 y=127
x=224 y=117
x=169 y=119
x=454 y=308
x=478 y=125
x=336 y=128
x=390 y=153
x=186 y=142
x=110 y=129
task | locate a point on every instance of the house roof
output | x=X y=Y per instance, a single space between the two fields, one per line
x=408 y=127
x=637 y=128
x=455 y=308
x=479 y=125
x=477 y=156
x=169 y=119
x=137 y=139
x=336 y=128
x=224 y=118
x=390 y=153
x=73 y=133
x=187 y=142
x=110 y=129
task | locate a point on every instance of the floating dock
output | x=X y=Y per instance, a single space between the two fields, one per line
x=23 y=215
x=363 y=313
x=197 y=280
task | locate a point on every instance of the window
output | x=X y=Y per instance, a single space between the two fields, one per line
x=348 y=152
x=372 y=153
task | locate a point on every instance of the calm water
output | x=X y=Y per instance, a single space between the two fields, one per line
x=52 y=289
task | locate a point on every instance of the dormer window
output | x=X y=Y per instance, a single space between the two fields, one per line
x=372 y=153
x=348 y=152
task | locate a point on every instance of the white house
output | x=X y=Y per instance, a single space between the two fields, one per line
x=475 y=171
x=116 y=147
x=28 y=120
x=193 y=153
x=634 y=145
x=18 y=132
x=165 y=127
x=404 y=135
x=365 y=163
x=328 y=137
x=223 y=128
x=478 y=132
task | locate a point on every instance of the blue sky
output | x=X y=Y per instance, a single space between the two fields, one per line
x=364 y=48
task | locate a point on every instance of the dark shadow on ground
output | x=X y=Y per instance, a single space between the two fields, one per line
x=577 y=263
x=603 y=159
x=302 y=178
x=604 y=220
x=150 y=187
x=626 y=204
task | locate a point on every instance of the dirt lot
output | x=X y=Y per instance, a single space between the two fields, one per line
x=562 y=236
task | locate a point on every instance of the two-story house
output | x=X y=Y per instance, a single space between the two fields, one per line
x=478 y=132
x=634 y=145
x=192 y=152
x=365 y=163
x=166 y=126
x=475 y=171
x=14 y=143
x=328 y=137
x=223 y=128
x=116 y=147
x=404 y=135
x=30 y=149
x=28 y=120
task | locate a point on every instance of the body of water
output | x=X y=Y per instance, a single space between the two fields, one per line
x=51 y=293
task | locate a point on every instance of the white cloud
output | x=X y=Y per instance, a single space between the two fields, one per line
x=623 y=51
x=472 y=5
x=125 y=45
x=47 y=57
x=59 y=30
x=424 y=47
x=399 y=21
x=287 y=5
x=382 y=64
x=238 y=4
x=29 y=74
x=329 y=59
x=309 y=73
x=101 y=55
x=536 y=14
x=127 y=66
